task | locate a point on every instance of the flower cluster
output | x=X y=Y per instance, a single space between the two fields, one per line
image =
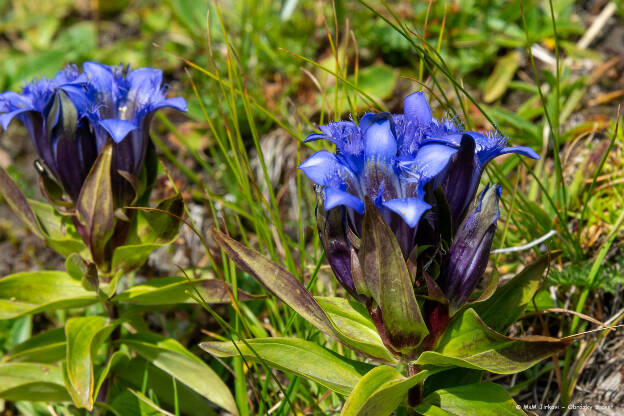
x=422 y=174
x=71 y=117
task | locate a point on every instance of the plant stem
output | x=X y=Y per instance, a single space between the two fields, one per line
x=414 y=395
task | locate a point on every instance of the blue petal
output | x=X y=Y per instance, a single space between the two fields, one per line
x=79 y=98
x=335 y=197
x=521 y=150
x=118 y=129
x=315 y=136
x=432 y=158
x=379 y=141
x=145 y=86
x=178 y=103
x=100 y=75
x=410 y=209
x=321 y=167
x=144 y=78
x=416 y=108
x=6 y=118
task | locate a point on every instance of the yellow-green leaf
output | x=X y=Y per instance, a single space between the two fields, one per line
x=171 y=357
x=84 y=336
x=33 y=292
x=298 y=356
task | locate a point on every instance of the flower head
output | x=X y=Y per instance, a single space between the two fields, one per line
x=421 y=174
x=72 y=116
x=398 y=160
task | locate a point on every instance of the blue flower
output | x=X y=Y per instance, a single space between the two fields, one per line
x=72 y=116
x=399 y=161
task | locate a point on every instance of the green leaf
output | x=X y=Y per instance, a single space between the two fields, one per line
x=132 y=256
x=46 y=347
x=164 y=222
x=290 y=290
x=298 y=356
x=18 y=203
x=60 y=233
x=84 y=336
x=277 y=279
x=33 y=292
x=95 y=204
x=117 y=359
x=380 y=392
x=502 y=75
x=480 y=399
x=514 y=296
x=388 y=280
x=352 y=319
x=171 y=357
x=155 y=228
x=76 y=266
x=174 y=290
x=25 y=381
x=469 y=343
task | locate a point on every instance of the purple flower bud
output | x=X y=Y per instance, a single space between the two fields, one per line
x=468 y=256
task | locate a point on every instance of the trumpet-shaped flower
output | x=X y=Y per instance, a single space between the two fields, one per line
x=422 y=174
x=72 y=116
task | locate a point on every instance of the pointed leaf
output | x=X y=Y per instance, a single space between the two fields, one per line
x=277 y=279
x=286 y=287
x=46 y=347
x=33 y=292
x=305 y=358
x=352 y=319
x=469 y=343
x=480 y=399
x=60 y=233
x=117 y=359
x=25 y=381
x=132 y=256
x=163 y=227
x=18 y=203
x=384 y=267
x=95 y=204
x=174 y=290
x=171 y=357
x=380 y=392
x=514 y=296
x=84 y=336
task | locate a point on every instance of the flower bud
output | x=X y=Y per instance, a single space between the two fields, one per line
x=468 y=256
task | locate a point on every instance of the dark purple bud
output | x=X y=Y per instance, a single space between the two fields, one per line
x=460 y=180
x=332 y=231
x=73 y=147
x=468 y=256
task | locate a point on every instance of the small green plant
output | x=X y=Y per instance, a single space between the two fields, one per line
x=409 y=238
x=97 y=169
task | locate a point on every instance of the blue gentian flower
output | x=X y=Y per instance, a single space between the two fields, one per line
x=400 y=161
x=72 y=116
